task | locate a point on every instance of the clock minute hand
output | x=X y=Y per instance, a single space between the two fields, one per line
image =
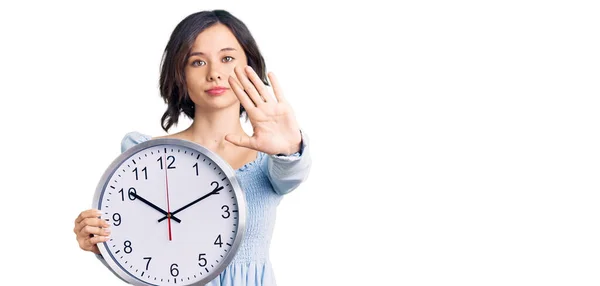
x=154 y=206
x=215 y=192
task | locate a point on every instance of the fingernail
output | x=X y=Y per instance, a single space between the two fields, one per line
x=107 y=230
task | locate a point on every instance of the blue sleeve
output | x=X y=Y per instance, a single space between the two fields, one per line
x=133 y=138
x=286 y=173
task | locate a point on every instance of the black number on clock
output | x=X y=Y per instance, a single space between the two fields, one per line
x=202 y=260
x=127 y=247
x=196 y=166
x=226 y=209
x=143 y=170
x=131 y=197
x=116 y=219
x=217 y=188
x=174 y=270
x=170 y=164
x=148 y=263
x=218 y=241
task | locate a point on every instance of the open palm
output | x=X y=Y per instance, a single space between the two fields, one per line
x=276 y=130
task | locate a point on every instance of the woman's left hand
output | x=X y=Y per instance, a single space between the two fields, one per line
x=276 y=130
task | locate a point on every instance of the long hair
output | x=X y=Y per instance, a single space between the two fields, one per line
x=173 y=88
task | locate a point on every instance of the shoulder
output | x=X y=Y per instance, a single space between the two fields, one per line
x=133 y=138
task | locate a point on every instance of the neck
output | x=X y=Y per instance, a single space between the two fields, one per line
x=210 y=127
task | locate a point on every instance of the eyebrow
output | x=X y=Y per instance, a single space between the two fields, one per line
x=201 y=54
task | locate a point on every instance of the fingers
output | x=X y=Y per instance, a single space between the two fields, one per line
x=94 y=222
x=276 y=87
x=97 y=239
x=91 y=244
x=88 y=214
x=90 y=236
x=258 y=84
x=90 y=230
x=84 y=218
x=249 y=87
x=241 y=140
x=241 y=95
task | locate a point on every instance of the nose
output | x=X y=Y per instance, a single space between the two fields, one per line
x=213 y=75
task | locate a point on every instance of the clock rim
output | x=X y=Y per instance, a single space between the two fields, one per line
x=227 y=169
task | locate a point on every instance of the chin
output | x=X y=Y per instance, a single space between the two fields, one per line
x=221 y=102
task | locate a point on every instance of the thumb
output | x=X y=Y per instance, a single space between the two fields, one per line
x=241 y=140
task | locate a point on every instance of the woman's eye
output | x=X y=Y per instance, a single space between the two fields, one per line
x=198 y=63
x=227 y=59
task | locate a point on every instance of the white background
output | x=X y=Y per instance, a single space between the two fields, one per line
x=454 y=142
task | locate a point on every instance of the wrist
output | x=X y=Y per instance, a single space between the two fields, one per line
x=294 y=148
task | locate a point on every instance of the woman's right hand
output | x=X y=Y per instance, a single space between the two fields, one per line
x=90 y=230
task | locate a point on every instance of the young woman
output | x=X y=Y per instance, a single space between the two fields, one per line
x=213 y=72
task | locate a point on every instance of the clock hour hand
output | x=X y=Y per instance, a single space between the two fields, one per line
x=214 y=192
x=154 y=206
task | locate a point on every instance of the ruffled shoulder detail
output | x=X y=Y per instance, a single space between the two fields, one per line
x=133 y=138
x=256 y=162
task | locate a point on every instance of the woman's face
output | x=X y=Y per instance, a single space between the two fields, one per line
x=212 y=59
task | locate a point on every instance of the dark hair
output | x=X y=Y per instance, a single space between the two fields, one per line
x=173 y=88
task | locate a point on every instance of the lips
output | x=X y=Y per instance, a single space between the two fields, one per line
x=217 y=90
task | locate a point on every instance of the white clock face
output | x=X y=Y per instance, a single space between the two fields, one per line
x=174 y=215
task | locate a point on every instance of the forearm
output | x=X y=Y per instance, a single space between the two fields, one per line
x=287 y=172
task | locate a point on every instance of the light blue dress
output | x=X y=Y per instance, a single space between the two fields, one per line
x=264 y=181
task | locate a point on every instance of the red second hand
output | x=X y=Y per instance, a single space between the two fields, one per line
x=168 y=205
